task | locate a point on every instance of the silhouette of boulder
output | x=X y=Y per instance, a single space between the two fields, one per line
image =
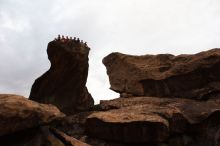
x=155 y=121
x=64 y=84
x=165 y=75
x=18 y=113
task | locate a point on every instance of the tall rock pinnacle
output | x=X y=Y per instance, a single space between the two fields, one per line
x=64 y=84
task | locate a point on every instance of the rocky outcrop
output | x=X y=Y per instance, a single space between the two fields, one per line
x=163 y=111
x=155 y=121
x=170 y=117
x=64 y=83
x=18 y=113
x=184 y=76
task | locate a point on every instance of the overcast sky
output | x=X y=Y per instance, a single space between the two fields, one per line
x=129 y=26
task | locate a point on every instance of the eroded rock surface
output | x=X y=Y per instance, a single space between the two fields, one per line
x=186 y=76
x=18 y=113
x=64 y=84
x=156 y=121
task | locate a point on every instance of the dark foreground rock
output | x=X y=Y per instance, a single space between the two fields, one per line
x=156 y=121
x=64 y=83
x=18 y=113
x=40 y=136
x=186 y=76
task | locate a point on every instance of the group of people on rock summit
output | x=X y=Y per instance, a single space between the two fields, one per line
x=69 y=39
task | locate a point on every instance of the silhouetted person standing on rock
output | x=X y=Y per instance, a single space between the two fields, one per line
x=58 y=38
x=62 y=39
x=78 y=40
x=67 y=39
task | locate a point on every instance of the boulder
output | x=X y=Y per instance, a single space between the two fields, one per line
x=64 y=84
x=165 y=75
x=155 y=120
x=18 y=113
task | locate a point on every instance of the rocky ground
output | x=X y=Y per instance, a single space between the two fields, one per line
x=165 y=100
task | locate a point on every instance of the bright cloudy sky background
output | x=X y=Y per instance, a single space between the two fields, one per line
x=128 y=26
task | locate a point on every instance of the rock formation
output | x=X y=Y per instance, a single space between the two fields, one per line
x=64 y=83
x=27 y=123
x=154 y=121
x=184 y=76
x=160 y=108
x=18 y=113
x=165 y=119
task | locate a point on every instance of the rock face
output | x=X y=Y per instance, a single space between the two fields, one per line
x=155 y=121
x=18 y=113
x=187 y=76
x=64 y=83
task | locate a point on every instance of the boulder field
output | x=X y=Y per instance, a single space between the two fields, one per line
x=165 y=100
x=183 y=109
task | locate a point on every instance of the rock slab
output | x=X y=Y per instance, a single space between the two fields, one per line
x=165 y=75
x=64 y=84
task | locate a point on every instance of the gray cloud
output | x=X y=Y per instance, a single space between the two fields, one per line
x=128 y=26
